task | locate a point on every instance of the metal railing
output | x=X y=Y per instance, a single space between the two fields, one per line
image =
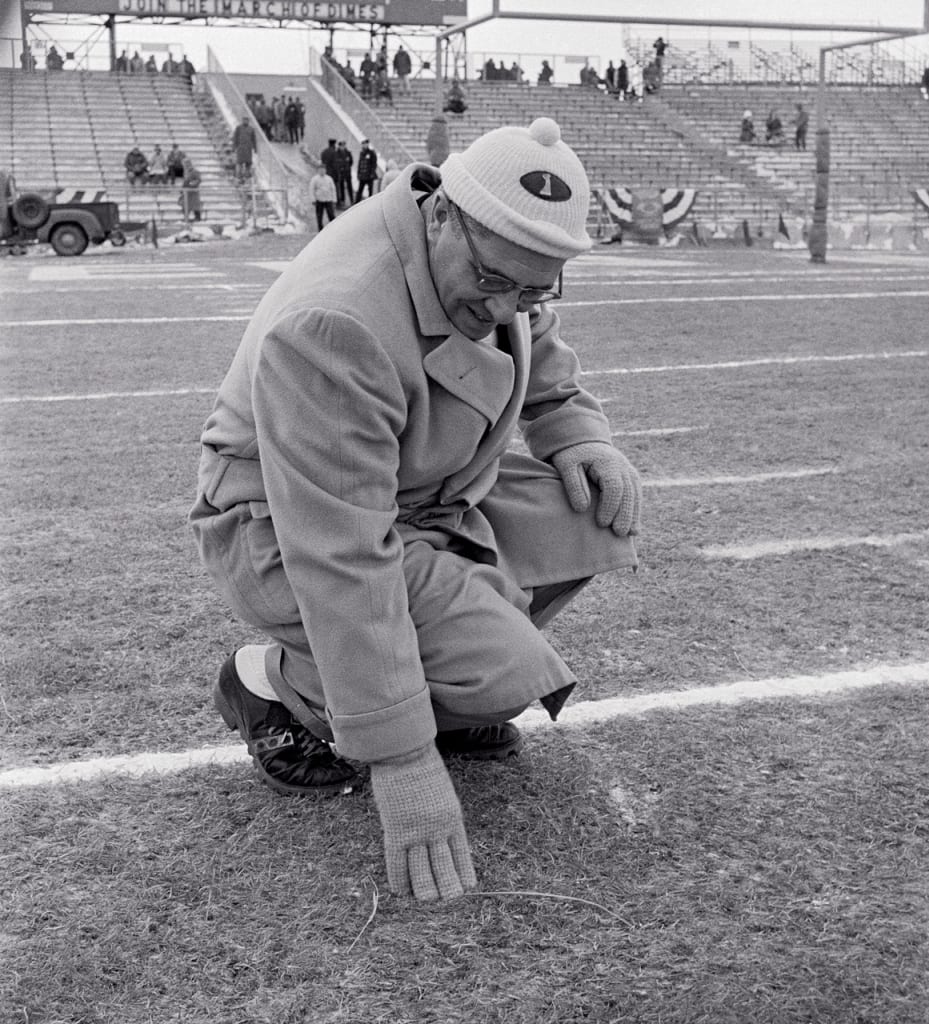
x=385 y=142
x=249 y=205
x=286 y=189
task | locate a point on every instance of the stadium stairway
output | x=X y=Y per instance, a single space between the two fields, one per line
x=72 y=130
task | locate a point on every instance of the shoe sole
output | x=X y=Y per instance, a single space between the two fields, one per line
x=228 y=715
x=503 y=753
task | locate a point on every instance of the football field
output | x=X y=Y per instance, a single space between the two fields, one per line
x=728 y=825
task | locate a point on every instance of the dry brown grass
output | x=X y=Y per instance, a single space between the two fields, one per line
x=764 y=864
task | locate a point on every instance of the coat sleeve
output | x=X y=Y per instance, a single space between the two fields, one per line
x=329 y=407
x=557 y=411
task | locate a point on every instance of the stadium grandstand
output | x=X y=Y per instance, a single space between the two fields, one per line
x=673 y=131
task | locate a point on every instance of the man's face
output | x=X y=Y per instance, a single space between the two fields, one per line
x=471 y=310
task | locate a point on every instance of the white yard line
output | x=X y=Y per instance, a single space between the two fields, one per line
x=823 y=542
x=673 y=300
x=659 y=431
x=738 y=364
x=750 y=478
x=104 y=395
x=104 y=320
x=574 y=715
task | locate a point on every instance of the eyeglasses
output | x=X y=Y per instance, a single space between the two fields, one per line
x=497 y=284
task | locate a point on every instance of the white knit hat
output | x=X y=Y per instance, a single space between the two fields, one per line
x=525 y=185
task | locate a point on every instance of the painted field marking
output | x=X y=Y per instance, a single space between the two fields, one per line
x=659 y=431
x=68 y=272
x=574 y=715
x=750 y=478
x=106 y=320
x=782 y=297
x=103 y=395
x=738 y=364
x=823 y=542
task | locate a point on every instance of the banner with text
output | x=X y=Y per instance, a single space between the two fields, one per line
x=387 y=12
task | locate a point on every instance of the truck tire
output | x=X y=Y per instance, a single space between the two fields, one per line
x=30 y=210
x=68 y=239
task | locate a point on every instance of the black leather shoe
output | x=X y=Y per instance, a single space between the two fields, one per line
x=287 y=756
x=482 y=743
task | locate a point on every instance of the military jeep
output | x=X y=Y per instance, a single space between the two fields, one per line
x=69 y=226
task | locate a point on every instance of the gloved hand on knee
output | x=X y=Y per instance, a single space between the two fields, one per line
x=424 y=835
x=620 y=491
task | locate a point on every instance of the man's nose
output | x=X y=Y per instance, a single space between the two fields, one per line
x=503 y=306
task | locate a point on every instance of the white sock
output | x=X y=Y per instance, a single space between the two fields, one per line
x=250 y=664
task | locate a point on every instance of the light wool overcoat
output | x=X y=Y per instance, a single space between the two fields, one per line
x=356 y=421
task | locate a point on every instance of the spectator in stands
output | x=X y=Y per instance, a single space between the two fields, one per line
x=382 y=90
x=26 y=59
x=516 y=73
x=367 y=71
x=622 y=80
x=610 y=78
x=292 y=122
x=359 y=505
x=190 y=192
x=455 y=98
x=328 y=159
x=244 y=145
x=301 y=119
x=661 y=48
x=437 y=145
x=801 y=124
x=348 y=73
x=264 y=117
x=366 y=170
x=747 y=128
x=137 y=65
x=545 y=75
x=924 y=83
x=344 y=162
x=774 y=129
x=276 y=107
x=651 y=77
x=170 y=66
x=490 y=70
x=53 y=59
x=122 y=64
x=186 y=70
x=136 y=164
x=151 y=67
x=323 y=196
x=157 y=167
x=390 y=174
x=589 y=77
x=176 y=158
x=402 y=68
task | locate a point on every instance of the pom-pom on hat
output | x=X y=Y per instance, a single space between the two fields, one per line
x=525 y=185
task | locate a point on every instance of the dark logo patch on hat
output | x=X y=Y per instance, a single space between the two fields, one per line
x=547 y=186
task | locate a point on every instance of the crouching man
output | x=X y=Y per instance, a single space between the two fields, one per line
x=358 y=501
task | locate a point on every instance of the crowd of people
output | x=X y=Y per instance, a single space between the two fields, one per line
x=123 y=64
x=166 y=169
x=372 y=79
x=281 y=120
x=774 y=134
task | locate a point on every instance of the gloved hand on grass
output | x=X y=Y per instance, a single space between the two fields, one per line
x=620 y=501
x=424 y=835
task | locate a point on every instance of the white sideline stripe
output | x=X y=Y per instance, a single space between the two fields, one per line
x=745 y=552
x=103 y=320
x=102 y=395
x=751 y=478
x=588 y=712
x=658 y=431
x=782 y=297
x=920 y=353
x=583 y=713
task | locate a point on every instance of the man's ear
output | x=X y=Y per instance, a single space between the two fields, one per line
x=440 y=210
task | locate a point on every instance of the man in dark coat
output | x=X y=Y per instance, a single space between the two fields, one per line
x=343 y=168
x=366 y=171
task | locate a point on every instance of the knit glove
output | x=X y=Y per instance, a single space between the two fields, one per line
x=614 y=475
x=424 y=836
